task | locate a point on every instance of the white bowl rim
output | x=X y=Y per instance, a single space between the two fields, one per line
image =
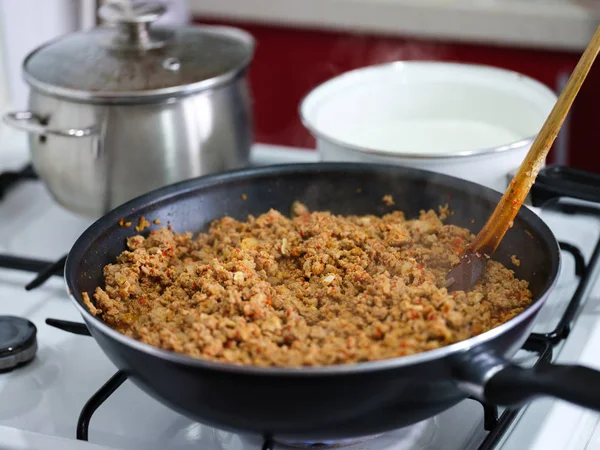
x=496 y=71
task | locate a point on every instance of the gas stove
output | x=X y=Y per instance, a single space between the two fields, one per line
x=71 y=397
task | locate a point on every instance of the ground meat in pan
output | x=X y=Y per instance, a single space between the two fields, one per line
x=315 y=289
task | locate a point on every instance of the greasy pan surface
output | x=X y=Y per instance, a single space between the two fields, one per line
x=310 y=403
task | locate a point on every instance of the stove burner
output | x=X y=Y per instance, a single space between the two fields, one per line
x=329 y=444
x=18 y=343
x=413 y=437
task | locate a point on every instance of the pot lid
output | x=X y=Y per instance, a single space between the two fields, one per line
x=129 y=60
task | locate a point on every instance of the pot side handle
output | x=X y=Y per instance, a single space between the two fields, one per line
x=514 y=385
x=554 y=182
x=28 y=121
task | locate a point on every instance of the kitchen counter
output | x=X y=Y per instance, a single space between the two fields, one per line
x=548 y=24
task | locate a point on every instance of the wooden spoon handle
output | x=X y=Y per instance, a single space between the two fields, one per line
x=501 y=219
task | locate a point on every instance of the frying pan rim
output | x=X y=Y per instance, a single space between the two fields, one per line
x=173 y=191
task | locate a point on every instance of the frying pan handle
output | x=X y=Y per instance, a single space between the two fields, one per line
x=514 y=385
x=554 y=182
x=493 y=379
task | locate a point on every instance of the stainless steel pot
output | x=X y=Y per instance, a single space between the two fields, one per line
x=121 y=110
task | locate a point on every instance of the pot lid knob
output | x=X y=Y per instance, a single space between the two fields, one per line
x=133 y=22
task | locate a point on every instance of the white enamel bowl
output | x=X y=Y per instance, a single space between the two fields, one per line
x=474 y=122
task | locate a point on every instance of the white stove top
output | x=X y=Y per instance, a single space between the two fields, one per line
x=40 y=403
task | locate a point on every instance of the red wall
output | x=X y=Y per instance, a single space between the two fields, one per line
x=290 y=62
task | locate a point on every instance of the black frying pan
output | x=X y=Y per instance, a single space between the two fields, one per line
x=346 y=400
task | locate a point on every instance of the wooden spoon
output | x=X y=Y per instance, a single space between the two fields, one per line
x=466 y=273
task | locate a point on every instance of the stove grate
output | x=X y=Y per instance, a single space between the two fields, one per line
x=83 y=423
x=44 y=269
x=544 y=349
x=71 y=327
x=586 y=283
x=24 y=264
x=9 y=179
x=57 y=268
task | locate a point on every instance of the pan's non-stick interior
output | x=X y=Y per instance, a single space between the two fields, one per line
x=342 y=188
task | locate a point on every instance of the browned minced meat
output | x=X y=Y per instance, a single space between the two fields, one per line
x=388 y=200
x=316 y=289
x=122 y=223
x=143 y=223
